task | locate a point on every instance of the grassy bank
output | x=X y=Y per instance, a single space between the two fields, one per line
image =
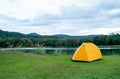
x=19 y=65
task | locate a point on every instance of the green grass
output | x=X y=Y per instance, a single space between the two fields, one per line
x=19 y=65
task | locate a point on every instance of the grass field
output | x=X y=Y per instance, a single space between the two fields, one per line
x=19 y=65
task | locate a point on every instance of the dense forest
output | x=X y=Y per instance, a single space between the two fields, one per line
x=14 y=39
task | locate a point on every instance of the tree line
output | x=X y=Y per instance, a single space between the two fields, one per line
x=50 y=41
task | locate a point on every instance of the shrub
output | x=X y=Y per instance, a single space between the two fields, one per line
x=40 y=51
x=57 y=52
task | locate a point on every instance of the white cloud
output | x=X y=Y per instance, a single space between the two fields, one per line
x=114 y=11
x=95 y=31
x=73 y=17
x=26 y=9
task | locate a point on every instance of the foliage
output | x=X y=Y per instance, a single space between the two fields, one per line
x=57 y=53
x=40 y=51
x=14 y=39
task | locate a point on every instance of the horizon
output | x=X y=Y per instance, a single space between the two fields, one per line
x=51 y=17
x=59 y=34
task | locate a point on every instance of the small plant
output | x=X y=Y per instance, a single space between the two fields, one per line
x=40 y=50
x=57 y=52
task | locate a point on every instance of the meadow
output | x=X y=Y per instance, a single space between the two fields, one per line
x=20 y=65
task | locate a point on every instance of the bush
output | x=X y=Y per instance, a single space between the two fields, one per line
x=57 y=52
x=40 y=51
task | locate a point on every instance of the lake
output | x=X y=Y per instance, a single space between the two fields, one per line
x=106 y=50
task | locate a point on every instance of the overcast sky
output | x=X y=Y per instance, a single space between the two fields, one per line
x=72 y=17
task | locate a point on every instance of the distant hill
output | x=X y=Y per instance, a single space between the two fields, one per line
x=33 y=35
x=61 y=35
x=4 y=34
x=68 y=36
x=11 y=34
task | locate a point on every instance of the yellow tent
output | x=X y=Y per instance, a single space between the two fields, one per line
x=87 y=52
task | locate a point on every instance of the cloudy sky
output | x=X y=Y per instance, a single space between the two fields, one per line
x=72 y=17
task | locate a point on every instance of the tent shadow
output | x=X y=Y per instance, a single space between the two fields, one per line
x=86 y=61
